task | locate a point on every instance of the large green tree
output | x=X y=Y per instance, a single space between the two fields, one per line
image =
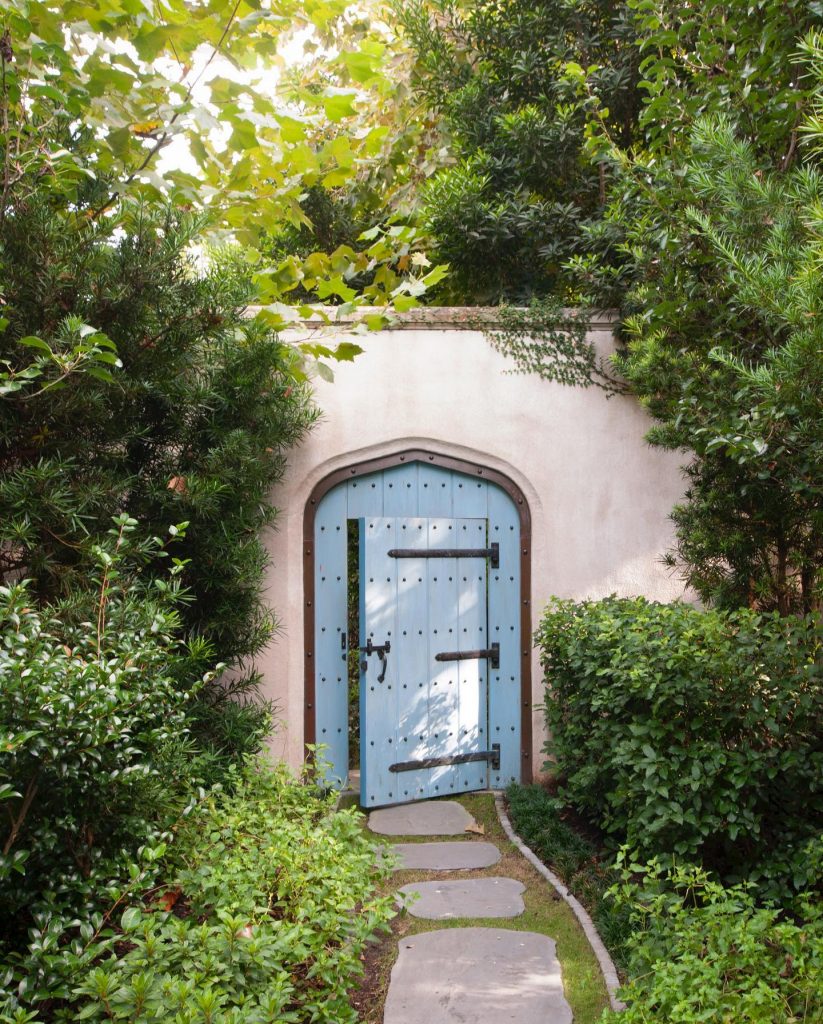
x=722 y=243
x=514 y=84
x=716 y=230
x=726 y=355
x=250 y=123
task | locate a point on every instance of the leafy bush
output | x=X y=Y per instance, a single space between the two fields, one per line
x=269 y=898
x=189 y=417
x=536 y=817
x=94 y=758
x=690 y=732
x=704 y=953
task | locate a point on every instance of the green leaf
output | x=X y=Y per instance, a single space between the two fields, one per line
x=346 y=351
x=130 y=919
x=335 y=286
x=32 y=341
x=100 y=374
x=338 y=105
x=436 y=275
x=291 y=129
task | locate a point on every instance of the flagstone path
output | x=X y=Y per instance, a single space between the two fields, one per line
x=444 y=856
x=474 y=975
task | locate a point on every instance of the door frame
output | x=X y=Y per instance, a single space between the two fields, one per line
x=468 y=468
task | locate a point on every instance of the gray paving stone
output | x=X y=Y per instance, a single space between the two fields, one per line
x=466 y=897
x=445 y=856
x=426 y=818
x=477 y=976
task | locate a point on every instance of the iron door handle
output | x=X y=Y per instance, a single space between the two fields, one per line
x=381 y=650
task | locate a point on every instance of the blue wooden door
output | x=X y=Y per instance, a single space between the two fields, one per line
x=425 y=656
x=417 y=489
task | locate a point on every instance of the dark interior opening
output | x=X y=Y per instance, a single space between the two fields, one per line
x=353 y=627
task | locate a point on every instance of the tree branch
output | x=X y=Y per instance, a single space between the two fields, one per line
x=164 y=137
x=17 y=823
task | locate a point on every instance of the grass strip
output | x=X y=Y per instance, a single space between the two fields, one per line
x=584 y=868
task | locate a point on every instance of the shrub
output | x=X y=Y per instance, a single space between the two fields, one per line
x=268 y=900
x=704 y=953
x=690 y=732
x=94 y=758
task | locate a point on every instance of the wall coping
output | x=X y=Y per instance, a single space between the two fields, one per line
x=454 y=318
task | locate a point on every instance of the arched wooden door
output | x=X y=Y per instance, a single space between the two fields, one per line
x=444 y=581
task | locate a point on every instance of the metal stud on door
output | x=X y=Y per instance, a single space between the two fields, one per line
x=425 y=654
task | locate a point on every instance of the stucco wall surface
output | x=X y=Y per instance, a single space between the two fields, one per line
x=599 y=496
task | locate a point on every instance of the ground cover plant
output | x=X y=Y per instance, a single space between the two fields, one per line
x=257 y=907
x=700 y=952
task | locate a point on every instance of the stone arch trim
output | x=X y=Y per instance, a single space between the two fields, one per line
x=469 y=468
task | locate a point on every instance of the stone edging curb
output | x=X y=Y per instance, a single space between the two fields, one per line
x=606 y=964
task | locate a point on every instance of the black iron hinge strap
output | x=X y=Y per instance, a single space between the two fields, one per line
x=492 y=653
x=492 y=756
x=492 y=553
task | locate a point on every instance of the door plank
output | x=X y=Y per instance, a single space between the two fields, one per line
x=331 y=678
x=379 y=706
x=444 y=713
x=412 y=659
x=364 y=496
x=435 y=489
x=504 y=622
x=400 y=488
x=472 y=674
x=471 y=498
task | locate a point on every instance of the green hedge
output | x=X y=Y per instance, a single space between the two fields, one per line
x=95 y=757
x=691 y=733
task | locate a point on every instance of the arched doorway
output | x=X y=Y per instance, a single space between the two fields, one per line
x=447 y=707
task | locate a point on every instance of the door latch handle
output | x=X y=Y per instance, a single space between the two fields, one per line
x=381 y=650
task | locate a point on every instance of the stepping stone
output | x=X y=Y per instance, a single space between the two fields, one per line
x=427 y=818
x=468 y=897
x=477 y=976
x=445 y=856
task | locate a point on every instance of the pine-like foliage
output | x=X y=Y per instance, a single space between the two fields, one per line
x=193 y=427
x=736 y=375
